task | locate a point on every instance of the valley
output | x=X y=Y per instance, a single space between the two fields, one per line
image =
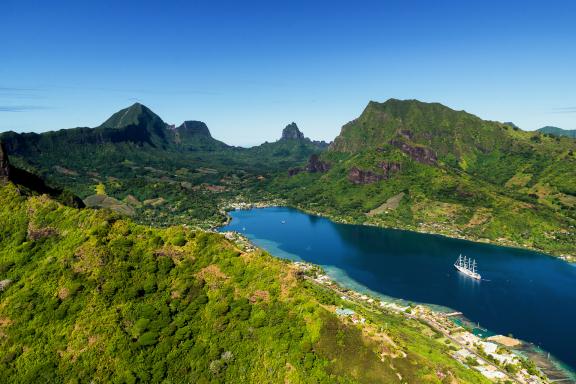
x=122 y=226
x=457 y=175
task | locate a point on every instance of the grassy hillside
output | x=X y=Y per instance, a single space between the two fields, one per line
x=89 y=297
x=421 y=166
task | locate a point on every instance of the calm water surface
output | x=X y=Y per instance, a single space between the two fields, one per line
x=527 y=294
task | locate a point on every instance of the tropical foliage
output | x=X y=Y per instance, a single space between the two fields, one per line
x=90 y=297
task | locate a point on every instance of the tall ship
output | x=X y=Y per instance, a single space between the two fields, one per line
x=467 y=266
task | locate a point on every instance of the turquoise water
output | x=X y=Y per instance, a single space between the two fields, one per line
x=524 y=293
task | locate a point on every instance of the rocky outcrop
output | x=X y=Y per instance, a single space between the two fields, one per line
x=4 y=163
x=315 y=165
x=291 y=132
x=360 y=176
x=420 y=154
x=193 y=128
x=390 y=168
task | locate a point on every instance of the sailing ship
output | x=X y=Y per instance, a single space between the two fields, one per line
x=467 y=266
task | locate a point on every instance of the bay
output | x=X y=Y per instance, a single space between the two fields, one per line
x=527 y=294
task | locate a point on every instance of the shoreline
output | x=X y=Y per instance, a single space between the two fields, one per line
x=570 y=259
x=551 y=368
x=492 y=356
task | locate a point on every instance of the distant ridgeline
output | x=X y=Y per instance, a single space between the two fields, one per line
x=401 y=163
x=558 y=131
x=136 y=125
x=424 y=166
x=137 y=164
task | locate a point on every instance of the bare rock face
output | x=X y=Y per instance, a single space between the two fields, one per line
x=420 y=154
x=315 y=165
x=390 y=168
x=4 y=163
x=359 y=176
x=291 y=132
x=193 y=128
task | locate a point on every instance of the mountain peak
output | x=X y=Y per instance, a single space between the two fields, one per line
x=194 y=128
x=137 y=114
x=396 y=122
x=137 y=124
x=291 y=132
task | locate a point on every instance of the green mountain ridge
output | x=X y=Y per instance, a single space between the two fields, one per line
x=423 y=166
x=138 y=163
x=401 y=163
x=90 y=295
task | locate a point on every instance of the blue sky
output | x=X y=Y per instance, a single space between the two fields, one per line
x=248 y=68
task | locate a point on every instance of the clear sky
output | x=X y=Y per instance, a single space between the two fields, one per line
x=248 y=68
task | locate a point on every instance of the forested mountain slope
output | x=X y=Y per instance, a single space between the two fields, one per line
x=424 y=166
x=138 y=165
x=89 y=297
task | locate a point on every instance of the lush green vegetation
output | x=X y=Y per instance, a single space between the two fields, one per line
x=159 y=173
x=404 y=164
x=453 y=173
x=90 y=297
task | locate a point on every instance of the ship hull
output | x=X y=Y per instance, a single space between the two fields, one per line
x=467 y=272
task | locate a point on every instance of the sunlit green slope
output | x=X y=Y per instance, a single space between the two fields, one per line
x=424 y=166
x=90 y=297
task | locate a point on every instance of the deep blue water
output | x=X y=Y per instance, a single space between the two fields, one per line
x=527 y=294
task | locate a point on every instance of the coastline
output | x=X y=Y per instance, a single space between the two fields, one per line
x=492 y=356
x=571 y=259
x=553 y=368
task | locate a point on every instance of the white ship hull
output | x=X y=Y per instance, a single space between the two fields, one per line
x=468 y=272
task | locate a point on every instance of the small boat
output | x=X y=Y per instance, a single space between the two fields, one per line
x=467 y=266
x=283 y=222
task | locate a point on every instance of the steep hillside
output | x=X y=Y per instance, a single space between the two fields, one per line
x=31 y=184
x=423 y=166
x=558 y=131
x=87 y=296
